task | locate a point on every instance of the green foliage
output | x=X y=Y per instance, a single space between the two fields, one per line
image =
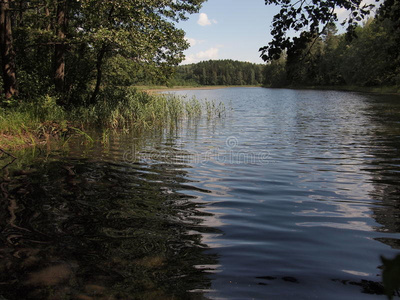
x=275 y=73
x=29 y=122
x=117 y=108
x=368 y=55
x=129 y=41
x=311 y=19
x=332 y=60
x=219 y=72
x=31 y=115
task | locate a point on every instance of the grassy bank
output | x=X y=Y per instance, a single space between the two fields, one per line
x=42 y=121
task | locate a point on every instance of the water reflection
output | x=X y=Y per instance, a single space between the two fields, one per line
x=84 y=227
x=311 y=214
x=384 y=167
x=142 y=216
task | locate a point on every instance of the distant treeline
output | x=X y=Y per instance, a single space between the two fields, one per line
x=219 y=72
x=369 y=59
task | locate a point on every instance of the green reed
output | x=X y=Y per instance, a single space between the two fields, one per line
x=125 y=109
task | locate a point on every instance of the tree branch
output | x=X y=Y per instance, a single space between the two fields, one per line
x=9 y=154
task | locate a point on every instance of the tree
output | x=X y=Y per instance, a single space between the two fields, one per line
x=311 y=19
x=214 y=78
x=389 y=17
x=7 y=51
x=140 y=30
x=61 y=46
x=367 y=60
x=253 y=77
x=333 y=48
x=59 y=49
x=224 y=72
x=239 y=78
x=275 y=73
x=371 y=59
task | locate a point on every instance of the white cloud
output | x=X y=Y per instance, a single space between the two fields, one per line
x=191 y=41
x=205 y=21
x=194 y=42
x=208 y=54
x=211 y=53
x=343 y=13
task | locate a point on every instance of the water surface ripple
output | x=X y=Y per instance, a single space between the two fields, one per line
x=293 y=195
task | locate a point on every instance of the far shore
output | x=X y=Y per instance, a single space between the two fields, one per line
x=394 y=90
x=376 y=90
x=155 y=89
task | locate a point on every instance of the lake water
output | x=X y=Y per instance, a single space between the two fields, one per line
x=292 y=194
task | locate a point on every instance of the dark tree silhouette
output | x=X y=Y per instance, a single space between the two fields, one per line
x=310 y=17
x=7 y=50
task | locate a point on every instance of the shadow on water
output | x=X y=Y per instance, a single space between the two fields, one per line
x=385 y=180
x=75 y=228
x=337 y=198
x=383 y=166
x=128 y=219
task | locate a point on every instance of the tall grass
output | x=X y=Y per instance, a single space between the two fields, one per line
x=27 y=123
x=116 y=109
x=140 y=109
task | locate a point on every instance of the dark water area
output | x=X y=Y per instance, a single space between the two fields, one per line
x=291 y=195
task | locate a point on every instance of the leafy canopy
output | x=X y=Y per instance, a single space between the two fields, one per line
x=94 y=34
x=311 y=17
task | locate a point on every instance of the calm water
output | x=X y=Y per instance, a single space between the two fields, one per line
x=291 y=195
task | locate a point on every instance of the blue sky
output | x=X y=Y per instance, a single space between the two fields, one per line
x=228 y=29
x=232 y=29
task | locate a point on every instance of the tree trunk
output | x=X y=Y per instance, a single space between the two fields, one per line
x=99 y=63
x=21 y=13
x=59 y=51
x=7 y=51
x=48 y=18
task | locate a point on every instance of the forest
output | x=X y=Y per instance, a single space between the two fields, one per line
x=369 y=56
x=70 y=64
x=74 y=51
x=219 y=72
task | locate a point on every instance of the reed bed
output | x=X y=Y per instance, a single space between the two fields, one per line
x=126 y=109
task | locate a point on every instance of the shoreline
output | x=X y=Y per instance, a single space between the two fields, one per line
x=158 y=89
x=48 y=134
x=26 y=126
x=384 y=90
x=36 y=133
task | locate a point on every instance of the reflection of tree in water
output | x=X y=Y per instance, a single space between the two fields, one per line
x=385 y=171
x=385 y=166
x=379 y=139
x=80 y=229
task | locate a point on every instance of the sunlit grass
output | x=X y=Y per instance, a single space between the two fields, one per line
x=126 y=109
